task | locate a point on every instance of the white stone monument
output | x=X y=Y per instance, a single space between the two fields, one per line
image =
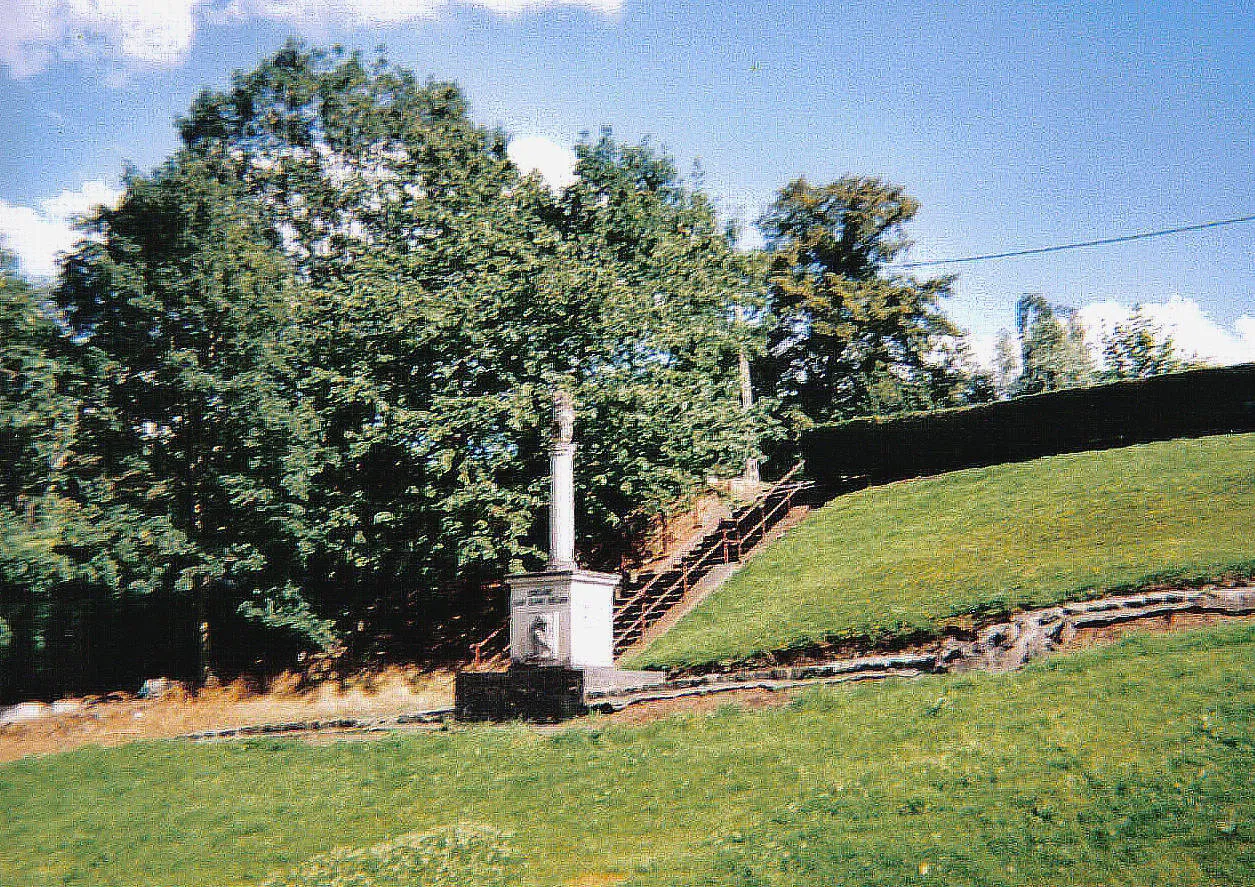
x=561 y=620
x=564 y=615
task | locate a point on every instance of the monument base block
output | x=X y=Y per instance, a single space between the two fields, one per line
x=539 y=692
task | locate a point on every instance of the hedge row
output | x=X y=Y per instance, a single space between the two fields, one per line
x=1189 y=404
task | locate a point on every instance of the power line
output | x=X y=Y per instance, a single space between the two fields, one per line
x=1037 y=251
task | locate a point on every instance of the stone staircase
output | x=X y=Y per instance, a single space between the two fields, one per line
x=647 y=597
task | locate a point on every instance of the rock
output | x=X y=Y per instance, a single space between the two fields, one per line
x=66 y=707
x=1230 y=600
x=1001 y=635
x=158 y=688
x=25 y=712
x=1050 y=617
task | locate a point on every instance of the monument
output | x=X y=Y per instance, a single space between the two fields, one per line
x=563 y=615
x=561 y=618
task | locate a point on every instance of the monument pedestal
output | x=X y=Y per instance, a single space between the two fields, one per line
x=539 y=692
x=525 y=692
x=561 y=648
x=562 y=617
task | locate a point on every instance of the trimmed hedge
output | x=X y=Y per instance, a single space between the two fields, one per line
x=1189 y=404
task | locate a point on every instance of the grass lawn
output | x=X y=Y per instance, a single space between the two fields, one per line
x=908 y=557
x=1129 y=765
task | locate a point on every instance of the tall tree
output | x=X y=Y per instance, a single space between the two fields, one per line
x=70 y=550
x=440 y=295
x=851 y=336
x=1138 y=348
x=415 y=242
x=655 y=285
x=1006 y=364
x=33 y=408
x=1053 y=353
x=182 y=301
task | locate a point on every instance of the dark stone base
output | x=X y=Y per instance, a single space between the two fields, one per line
x=525 y=692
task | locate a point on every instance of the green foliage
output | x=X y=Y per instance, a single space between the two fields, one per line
x=1129 y=765
x=1139 y=348
x=891 y=561
x=31 y=403
x=1200 y=402
x=1006 y=363
x=1053 y=354
x=850 y=336
x=315 y=351
x=183 y=306
x=658 y=285
x=38 y=418
x=446 y=296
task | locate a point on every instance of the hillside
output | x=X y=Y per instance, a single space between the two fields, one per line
x=911 y=557
x=1078 y=770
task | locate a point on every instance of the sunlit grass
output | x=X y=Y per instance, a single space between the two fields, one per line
x=907 y=557
x=1130 y=765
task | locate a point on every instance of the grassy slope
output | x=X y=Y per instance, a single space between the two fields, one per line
x=906 y=557
x=1130 y=765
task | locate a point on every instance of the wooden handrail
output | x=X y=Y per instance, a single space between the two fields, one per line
x=477 y=649
x=761 y=498
x=644 y=588
x=684 y=575
x=640 y=622
x=764 y=517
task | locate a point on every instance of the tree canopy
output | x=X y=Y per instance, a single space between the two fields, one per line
x=314 y=351
x=1138 y=348
x=292 y=392
x=1051 y=349
x=850 y=334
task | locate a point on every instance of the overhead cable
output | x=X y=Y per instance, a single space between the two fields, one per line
x=1104 y=241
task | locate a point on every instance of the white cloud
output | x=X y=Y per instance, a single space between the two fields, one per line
x=149 y=33
x=555 y=163
x=984 y=349
x=367 y=13
x=1194 y=333
x=159 y=33
x=37 y=235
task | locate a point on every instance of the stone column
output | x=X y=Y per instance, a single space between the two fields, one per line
x=747 y=403
x=562 y=484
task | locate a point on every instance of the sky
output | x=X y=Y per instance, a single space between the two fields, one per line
x=1016 y=126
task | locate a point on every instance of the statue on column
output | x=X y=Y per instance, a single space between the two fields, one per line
x=563 y=432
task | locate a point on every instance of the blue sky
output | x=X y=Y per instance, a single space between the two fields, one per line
x=1019 y=126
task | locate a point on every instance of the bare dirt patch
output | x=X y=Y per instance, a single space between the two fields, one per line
x=388 y=693
x=1109 y=634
